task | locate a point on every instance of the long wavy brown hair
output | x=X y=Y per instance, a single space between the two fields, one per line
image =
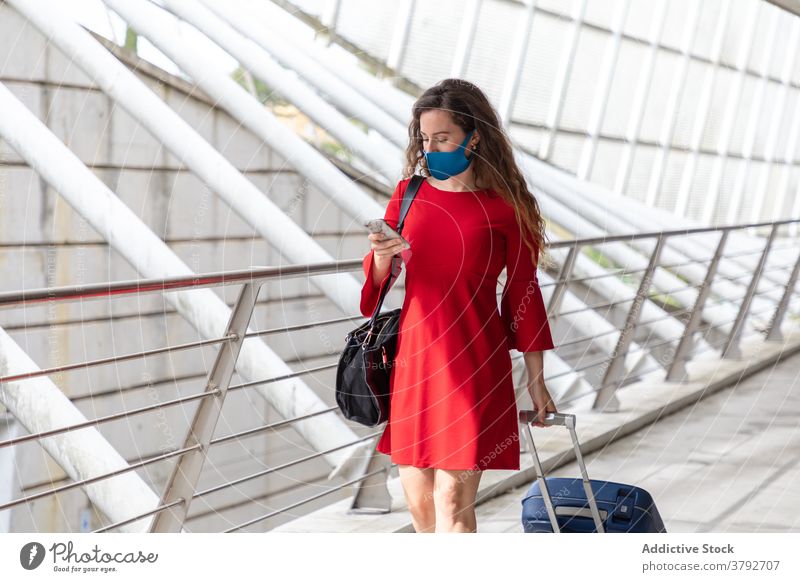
x=493 y=164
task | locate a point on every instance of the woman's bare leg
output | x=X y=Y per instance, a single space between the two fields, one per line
x=418 y=490
x=454 y=495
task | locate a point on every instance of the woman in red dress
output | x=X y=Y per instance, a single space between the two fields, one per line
x=452 y=408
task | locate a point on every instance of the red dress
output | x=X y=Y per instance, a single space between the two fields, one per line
x=452 y=401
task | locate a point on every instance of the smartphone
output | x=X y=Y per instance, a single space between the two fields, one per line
x=380 y=225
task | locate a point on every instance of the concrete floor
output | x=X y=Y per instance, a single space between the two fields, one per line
x=729 y=463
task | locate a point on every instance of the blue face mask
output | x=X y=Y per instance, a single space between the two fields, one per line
x=443 y=165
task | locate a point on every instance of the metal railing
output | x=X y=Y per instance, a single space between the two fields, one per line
x=370 y=487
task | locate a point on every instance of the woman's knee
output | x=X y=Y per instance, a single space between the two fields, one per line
x=448 y=501
x=452 y=501
x=420 y=503
x=418 y=487
x=420 y=506
x=454 y=492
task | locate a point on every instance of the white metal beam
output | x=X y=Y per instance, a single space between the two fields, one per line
x=402 y=30
x=789 y=155
x=347 y=97
x=777 y=121
x=730 y=117
x=257 y=360
x=601 y=96
x=561 y=84
x=753 y=120
x=585 y=195
x=701 y=112
x=39 y=405
x=391 y=99
x=640 y=98
x=466 y=37
x=673 y=101
x=380 y=157
x=516 y=63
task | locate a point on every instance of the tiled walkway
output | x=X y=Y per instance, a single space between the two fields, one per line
x=729 y=463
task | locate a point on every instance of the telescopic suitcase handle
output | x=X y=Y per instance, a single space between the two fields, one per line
x=568 y=420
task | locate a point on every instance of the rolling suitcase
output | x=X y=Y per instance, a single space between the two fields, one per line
x=559 y=504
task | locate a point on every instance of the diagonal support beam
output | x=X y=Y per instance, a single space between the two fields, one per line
x=731 y=348
x=614 y=376
x=186 y=473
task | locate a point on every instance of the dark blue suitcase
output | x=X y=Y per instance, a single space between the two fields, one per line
x=623 y=508
x=583 y=505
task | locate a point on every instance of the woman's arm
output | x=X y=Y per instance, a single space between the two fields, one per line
x=540 y=396
x=522 y=306
x=534 y=363
x=382 y=262
x=377 y=262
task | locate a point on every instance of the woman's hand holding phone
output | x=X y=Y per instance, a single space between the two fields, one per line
x=383 y=247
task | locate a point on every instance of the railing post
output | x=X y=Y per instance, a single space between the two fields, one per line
x=774 y=330
x=677 y=369
x=372 y=494
x=605 y=400
x=184 y=477
x=731 y=348
x=554 y=306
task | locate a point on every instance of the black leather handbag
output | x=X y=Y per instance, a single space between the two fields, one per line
x=362 y=377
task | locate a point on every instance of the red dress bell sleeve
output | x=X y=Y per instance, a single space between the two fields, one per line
x=371 y=292
x=522 y=308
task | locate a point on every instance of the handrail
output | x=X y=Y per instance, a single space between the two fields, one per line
x=167 y=284
x=253 y=277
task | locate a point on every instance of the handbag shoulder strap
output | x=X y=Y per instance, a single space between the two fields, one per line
x=408 y=198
